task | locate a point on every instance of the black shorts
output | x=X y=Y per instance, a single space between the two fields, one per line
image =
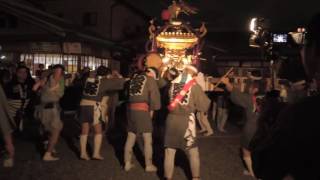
x=86 y=114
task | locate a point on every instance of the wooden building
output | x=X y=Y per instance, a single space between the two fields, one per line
x=36 y=37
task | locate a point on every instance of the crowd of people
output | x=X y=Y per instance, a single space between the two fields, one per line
x=279 y=134
x=26 y=100
x=288 y=147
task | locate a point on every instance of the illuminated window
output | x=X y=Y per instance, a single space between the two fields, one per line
x=71 y=62
x=22 y=57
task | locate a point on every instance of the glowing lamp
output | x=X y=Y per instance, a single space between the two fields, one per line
x=253 y=25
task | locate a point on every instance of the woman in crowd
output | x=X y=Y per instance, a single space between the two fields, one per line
x=51 y=91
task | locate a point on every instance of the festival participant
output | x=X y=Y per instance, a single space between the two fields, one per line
x=52 y=90
x=91 y=111
x=144 y=99
x=202 y=117
x=6 y=129
x=19 y=93
x=186 y=97
x=249 y=101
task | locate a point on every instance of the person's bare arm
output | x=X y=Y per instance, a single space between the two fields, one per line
x=226 y=81
x=151 y=114
x=39 y=84
x=217 y=89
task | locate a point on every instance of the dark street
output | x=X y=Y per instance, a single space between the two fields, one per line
x=219 y=160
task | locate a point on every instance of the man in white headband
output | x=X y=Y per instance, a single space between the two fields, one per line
x=186 y=97
x=153 y=72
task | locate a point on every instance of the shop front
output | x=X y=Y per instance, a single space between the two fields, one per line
x=73 y=56
x=71 y=62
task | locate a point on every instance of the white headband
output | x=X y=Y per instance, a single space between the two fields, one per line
x=192 y=68
x=255 y=77
x=154 y=73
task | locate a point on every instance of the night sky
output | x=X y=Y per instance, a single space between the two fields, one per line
x=234 y=15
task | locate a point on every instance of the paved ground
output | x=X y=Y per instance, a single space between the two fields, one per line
x=219 y=158
x=219 y=161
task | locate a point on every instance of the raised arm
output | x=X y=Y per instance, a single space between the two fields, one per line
x=113 y=84
x=39 y=84
x=236 y=96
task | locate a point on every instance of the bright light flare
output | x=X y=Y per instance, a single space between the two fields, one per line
x=253 y=25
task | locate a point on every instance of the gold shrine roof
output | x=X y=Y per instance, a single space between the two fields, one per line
x=176 y=36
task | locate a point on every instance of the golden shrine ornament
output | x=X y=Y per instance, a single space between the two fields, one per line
x=178 y=41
